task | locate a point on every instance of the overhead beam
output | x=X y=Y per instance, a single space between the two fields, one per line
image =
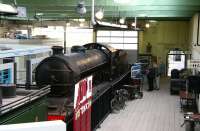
x=150 y=8
x=121 y=8
x=110 y=2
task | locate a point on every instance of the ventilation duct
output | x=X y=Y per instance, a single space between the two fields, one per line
x=6 y=9
x=101 y=23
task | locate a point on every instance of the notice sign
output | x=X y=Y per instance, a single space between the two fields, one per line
x=82 y=105
x=21 y=12
x=194 y=64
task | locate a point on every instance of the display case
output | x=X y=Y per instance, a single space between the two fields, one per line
x=20 y=54
x=176 y=59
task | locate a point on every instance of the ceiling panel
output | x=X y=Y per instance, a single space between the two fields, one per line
x=135 y=8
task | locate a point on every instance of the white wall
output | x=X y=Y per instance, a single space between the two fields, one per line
x=36 y=126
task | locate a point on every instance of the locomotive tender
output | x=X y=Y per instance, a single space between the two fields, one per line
x=107 y=65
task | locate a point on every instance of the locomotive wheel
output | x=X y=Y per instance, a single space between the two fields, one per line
x=189 y=126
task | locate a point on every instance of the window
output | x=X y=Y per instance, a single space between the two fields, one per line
x=127 y=40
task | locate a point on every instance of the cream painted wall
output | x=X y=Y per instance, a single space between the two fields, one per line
x=2 y=31
x=164 y=35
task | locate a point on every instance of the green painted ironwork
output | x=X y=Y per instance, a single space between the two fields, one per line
x=64 y=9
x=31 y=112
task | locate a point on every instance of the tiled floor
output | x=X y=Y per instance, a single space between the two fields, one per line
x=157 y=111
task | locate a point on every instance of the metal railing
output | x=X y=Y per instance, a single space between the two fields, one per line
x=22 y=100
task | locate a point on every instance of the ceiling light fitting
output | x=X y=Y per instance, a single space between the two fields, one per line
x=81 y=9
x=81 y=20
x=133 y=24
x=39 y=14
x=152 y=21
x=99 y=14
x=147 y=25
x=122 y=20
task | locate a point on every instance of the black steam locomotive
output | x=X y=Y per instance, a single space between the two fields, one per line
x=108 y=66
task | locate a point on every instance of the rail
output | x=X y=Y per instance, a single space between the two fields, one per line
x=22 y=99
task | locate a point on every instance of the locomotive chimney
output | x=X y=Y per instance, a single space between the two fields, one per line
x=57 y=50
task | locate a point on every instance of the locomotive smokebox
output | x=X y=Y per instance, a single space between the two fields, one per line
x=57 y=50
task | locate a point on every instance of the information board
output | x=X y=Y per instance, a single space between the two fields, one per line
x=82 y=105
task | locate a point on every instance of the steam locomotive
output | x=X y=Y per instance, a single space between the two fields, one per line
x=108 y=66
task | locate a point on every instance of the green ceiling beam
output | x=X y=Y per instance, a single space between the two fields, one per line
x=149 y=2
x=111 y=14
x=121 y=8
x=127 y=14
x=110 y=2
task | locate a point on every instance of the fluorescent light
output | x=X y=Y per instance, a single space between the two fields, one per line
x=76 y=20
x=133 y=24
x=39 y=14
x=81 y=20
x=153 y=21
x=147 y=25
x=122 y=1
x=122 y=20
x=5 y=8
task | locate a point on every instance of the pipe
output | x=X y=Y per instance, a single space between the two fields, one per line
x=93 y=21
x=65 y=38
x=198 y=30
x=135 y=22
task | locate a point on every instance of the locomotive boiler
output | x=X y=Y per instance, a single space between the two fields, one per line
x=107 y=65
